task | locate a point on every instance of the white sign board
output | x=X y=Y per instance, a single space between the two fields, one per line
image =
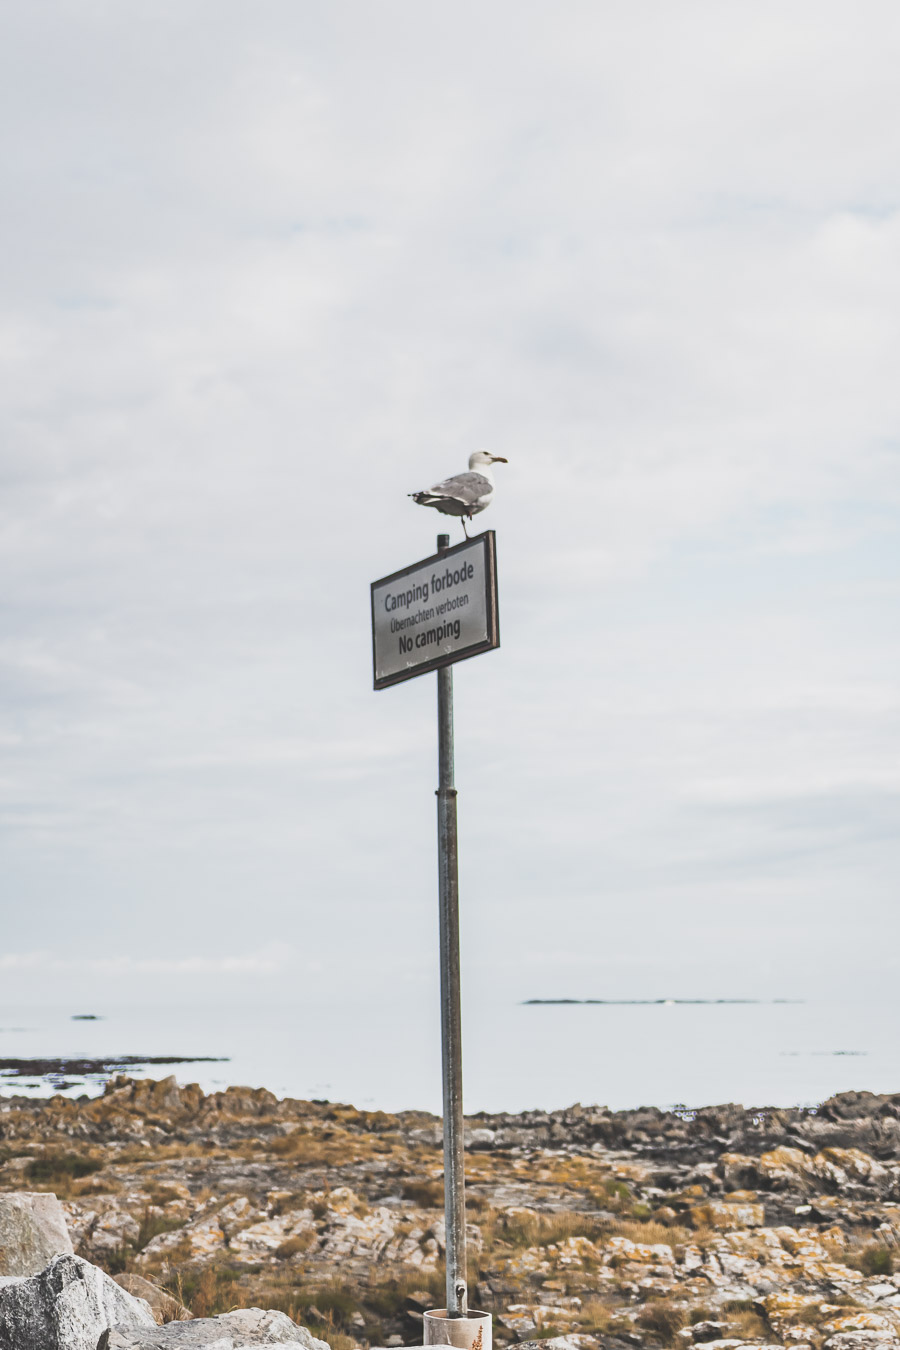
x=436 y=612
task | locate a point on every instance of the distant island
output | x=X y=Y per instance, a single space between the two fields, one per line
x=651 y=1002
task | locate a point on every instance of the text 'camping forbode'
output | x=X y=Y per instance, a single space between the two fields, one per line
x=441 y=610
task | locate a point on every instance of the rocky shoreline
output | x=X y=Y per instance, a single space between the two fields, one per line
x=80 y=1072
x=723 y=1226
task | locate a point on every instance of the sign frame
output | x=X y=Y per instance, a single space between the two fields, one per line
x=488 y=540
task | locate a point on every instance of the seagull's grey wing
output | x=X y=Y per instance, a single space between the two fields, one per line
x=468 y=488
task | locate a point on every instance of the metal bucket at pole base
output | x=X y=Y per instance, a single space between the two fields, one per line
x=472 y=1332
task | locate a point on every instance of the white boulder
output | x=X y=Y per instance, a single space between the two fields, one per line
x=245 y=1329
x=32 y=1231
x=67 y=1307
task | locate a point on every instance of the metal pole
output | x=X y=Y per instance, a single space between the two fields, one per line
x=451 y=1033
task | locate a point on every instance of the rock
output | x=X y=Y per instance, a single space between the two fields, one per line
x=859 y=1319
x=288 y=1192
x=68 y=1306
x=32 y=1231
x=234 y=1216
x=861 y=1340
x=294 y=1230
x=720 y=1214
x=737 y=1169
x=519 y=1321
x=783 y=1167
x=164 y=1307
x=102 y=1225
x=482 y=1138
x=241 y=1330
x=735 y=1343
x=705 y=1331
x=574 y=1341
x=197 y=1241
x=837 y=1164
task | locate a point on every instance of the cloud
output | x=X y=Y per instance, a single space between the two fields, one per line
x=257 y=288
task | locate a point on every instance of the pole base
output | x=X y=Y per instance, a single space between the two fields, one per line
x=472 y=1332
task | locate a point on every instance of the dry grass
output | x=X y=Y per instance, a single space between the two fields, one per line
x=425 y=1194
x=154 y=1224
x=330 y=1147
x=161 y=1194
x=133 y=1155
x=816 y=1311
x=650 y=1232
x=594 y=1317
x=292 y=1246
x=749 y=1325
x=326 y=1307
x=874 y=1259
x=663 y=1320
x=62 y=1173
x=367 y=1153
x=289 y=1202
x=124 y=1258
x=518 y=1230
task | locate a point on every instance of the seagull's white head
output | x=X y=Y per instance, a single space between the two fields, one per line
x=481 y=459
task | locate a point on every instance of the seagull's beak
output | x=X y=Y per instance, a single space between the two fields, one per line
x=498 y=459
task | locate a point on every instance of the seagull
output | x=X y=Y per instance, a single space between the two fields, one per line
x=466 y=493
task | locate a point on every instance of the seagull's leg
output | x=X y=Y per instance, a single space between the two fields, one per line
x=465 y=531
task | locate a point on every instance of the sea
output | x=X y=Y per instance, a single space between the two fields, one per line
x=385 y=1053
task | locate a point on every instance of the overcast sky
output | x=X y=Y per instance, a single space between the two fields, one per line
x=267 y=268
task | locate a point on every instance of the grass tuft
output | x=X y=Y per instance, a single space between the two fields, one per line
x=292 y=1246
x=425 y=1194
x=876 y=1259
x=58 y=1171
x=663 y=1320
x=650 y=1232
